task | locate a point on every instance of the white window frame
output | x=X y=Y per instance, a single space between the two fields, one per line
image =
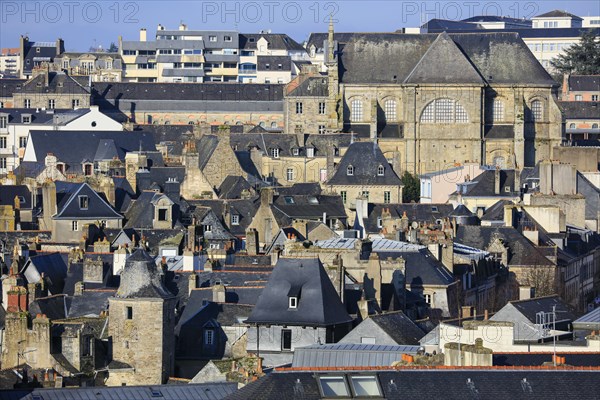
x=497 y=110
x=380 y=170
x=74 y=226
x=356 y=110
x=51 y=104
x=290 y=174
x=322 y=108
x=209 y=337
x=299 y=107
x=274 y=152
x=235 y=219
x=390 y=110
x=293 y=302
x=350 y=170
x=3 y=122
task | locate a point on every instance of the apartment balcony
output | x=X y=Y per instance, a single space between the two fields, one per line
x=223 y=71
x=182 y=72
x=218 y=58
x=141 y=73
x=196 y=58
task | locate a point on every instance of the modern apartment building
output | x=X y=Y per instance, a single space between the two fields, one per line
x=10 y=62
x=35 y=54
x=181 y=56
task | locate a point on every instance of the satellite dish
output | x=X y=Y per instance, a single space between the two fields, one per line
x=414 y=225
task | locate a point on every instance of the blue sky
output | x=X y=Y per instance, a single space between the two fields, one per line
x=83 y=23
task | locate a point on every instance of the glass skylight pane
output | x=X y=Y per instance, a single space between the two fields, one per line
x=333 y=386
x=365 y=386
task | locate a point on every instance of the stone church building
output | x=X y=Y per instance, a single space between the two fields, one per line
x=431 y=100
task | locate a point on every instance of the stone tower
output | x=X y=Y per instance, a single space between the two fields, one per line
x=141 y=325
x=334 y=101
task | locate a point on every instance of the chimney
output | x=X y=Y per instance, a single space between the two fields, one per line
x=49 y=203
x=218 y=293
x=486 y=314
x=301 y=226
x=182 y=27
x=208 y=265
x=362 y=207
x=119 y=257
x=190 y=261
x=466 y=311
x=266 y=197
x=509 y=212
x=565 y=88
x=173 y=189
x=252 y=242
x=533 y=235
x=372 y=279
x=192 y=282
x=497 y=180
x=143 y=36
x=330 y=161
x=17 y=299
x=191 y=238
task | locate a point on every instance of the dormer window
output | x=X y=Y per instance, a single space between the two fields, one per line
x=350 y=170
x=84 y=202
x=274 y=152
x=310 y=152
x=26 y=119
x=296 y=151
x=379 y=222
x=293 y=302
x=380 y=170
x=235 y=219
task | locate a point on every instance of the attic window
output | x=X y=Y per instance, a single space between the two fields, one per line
x=350 y=170
x=310 y=152
x=313 y=200
x=251 y=40
x=84 y=202
x=380 y=170
x=334 y=386
x=274 y=152
x=434 y=209
x=379 y=222
x=507 y=189
x=235 y=219
x=293 y=302
x=129 y=312
x=296 y=151
x=365 y=385
x=288 y=200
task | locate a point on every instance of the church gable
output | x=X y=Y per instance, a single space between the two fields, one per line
x=444 y=63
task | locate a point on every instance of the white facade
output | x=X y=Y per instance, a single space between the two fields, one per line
x=10 y=64
x=14 y=135
x=591 y=22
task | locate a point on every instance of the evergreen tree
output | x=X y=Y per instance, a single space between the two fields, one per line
x=412 y=188
x=580 y=59
x=113 y=48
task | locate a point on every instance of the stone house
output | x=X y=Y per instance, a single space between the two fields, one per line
x=392 y=328
x=299 y=306
x=432 y=114
x=280 y=206
x=100 y=67
x=364 y=172
x=52 y=90
x=141 y=325
x=70 y=209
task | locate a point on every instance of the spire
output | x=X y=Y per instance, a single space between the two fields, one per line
x=330 y=40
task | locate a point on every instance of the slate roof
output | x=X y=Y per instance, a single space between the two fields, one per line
x=90 y=304
x=54 y=307
x=537 y=359
x=306 y=279
x=529 y=308
x=580 y=109
x=422 y=268
x=196 y=313
x=173 y=137
x=159 y=176
x=58 y=82
x=206 y=145
x=349 y=355
x=591 y=320
x=140 y=214
x=52 y=265
x=190 y=91
x=315 y=86
x=9 y=192
x=233 y=295
x=365 y=158
x=496 y=211
x=484 y=184
x=442 y=25
x=37 y=117
x=266 y=141
x=141 y=278
x=419 y=212
x=584 y=83
x=497 y=57
x=399 y=327
x=273 y=63
x=521 y=251
x=204 y=391
x=558 y=14
x=455 y=384
x=67 y=203
x=233 y=186
x=60 y=144
x=246 y=209
x=8 y=87
x=277 y=41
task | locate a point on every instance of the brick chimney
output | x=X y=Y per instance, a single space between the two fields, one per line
x=17 y=299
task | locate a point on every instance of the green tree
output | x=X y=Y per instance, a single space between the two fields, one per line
x=412 y=188
x=113 y=48
x=582 y=58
